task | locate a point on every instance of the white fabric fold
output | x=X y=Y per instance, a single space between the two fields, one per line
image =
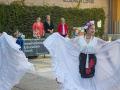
x=65 y=57
x=13 y=62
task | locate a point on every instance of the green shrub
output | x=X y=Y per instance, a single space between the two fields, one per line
x=16 y=17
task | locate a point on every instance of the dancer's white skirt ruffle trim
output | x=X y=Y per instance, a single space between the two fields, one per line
x=65 y=58
x=13 y=63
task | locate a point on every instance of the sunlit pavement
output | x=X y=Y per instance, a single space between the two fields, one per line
x=42 y=79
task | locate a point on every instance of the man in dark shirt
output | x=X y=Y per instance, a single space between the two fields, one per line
x=48 y=26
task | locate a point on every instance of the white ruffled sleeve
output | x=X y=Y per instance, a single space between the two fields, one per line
x=66 y=60
x=108 y=65
x=13 y=62
x=52 y=45
x=61 y=49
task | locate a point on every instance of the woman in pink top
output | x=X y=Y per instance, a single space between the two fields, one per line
x=38 y=28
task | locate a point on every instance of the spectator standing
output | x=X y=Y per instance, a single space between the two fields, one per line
x=38 y=28
x=48 y=26
x=63 y=28
x=19 y=39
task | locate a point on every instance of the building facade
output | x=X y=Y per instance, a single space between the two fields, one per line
x=114 y=18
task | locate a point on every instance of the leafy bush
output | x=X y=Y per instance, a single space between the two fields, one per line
x=19 y=17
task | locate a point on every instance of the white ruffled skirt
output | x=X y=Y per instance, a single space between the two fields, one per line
x=13 y=63
x=65 y=59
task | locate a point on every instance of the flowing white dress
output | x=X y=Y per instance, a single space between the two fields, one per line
x=13 y=63
x=65 y=57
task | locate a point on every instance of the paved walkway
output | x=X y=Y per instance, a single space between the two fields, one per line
x=41 y=80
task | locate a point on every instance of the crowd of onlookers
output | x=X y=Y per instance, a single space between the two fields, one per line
x=44 y=29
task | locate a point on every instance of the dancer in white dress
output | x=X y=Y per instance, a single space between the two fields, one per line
x=13 y=63
x=86 y=62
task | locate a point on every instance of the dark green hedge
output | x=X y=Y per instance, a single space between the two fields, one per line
x=13 y=17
